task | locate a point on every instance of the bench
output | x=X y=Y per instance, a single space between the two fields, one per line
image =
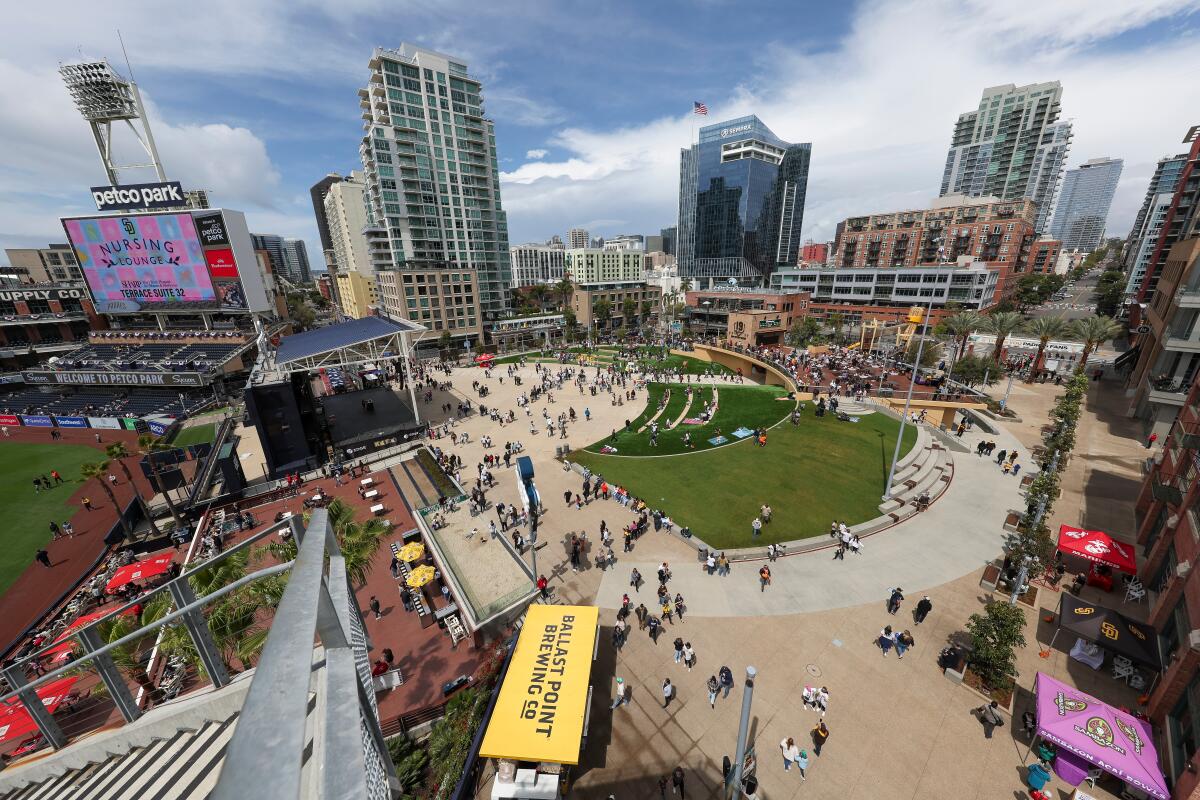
x=377 y=509
x=367 y=482
x=371 y=494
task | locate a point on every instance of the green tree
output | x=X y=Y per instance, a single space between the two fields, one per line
x=1002 y=326
x=972 y=370
x=602 y=310
x=445 y=341
x=995 y=636
x=1044 y=329
x=411 y=762
x=98 y=471
x=1093 y=332
x=930 y=353
x=647 y=308
x=300 y=311
x=961 y=326
x=836 y=320
x=804 y=331
x=629 y=308
x=148 y=446
x=1028 y=293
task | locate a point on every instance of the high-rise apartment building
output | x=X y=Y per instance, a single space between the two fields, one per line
x=741 y=203
x=54 y=263
x=1147 y=226
x=812 y=251
x=295 y=256
x=273 y=246
x=534 y=264
x=196 y=198
x=430 y=172
x=999 y=233
x=318 y=192
x=1082 y=209
x=592 y=266
x=669 y=237
x=1012 y=146
x=1181 y=219
x=345 y=215
x=577 y=239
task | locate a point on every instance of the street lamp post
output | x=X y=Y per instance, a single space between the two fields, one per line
x=743 y=728
x=887 y=489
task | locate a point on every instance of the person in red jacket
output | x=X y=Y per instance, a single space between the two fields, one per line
x=542 y=583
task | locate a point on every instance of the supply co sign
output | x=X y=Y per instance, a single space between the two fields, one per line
x=139 y=196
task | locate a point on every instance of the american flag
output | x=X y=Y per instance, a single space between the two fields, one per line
x=699 y=109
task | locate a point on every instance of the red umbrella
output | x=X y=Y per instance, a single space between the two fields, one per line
x=139 y=570
x=1097 y=546
x=16 y=722
x=486 y=357
x=60 y=651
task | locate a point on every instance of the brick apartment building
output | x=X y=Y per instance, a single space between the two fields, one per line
x=1000 y=233
x=1168 y=514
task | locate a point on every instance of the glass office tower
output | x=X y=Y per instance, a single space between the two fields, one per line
x=741 y=203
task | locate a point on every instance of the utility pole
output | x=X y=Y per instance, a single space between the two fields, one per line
x=887 y=490
x=743 y=728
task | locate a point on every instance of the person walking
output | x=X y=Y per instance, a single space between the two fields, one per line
x=641 y=613
x=678 y=649
x=894 y=600
x=726 y=675
x=87 y=504
x=990 y=717
x=790 y=752
x=655 y=628
x=677 y=782
x=756 y=526
x=43 y=558
x=689 y=656
x=668 y=690
x=764 y=578
x=713 y=686
x=904 y=641
x=886 y=640
x=375 y=607
x=820 y=735
x=542 y=585
x=802 y=764
x=922 y=610
x=635 y=579
x=620 y=694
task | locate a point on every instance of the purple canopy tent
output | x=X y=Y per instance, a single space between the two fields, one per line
x=1100 y=734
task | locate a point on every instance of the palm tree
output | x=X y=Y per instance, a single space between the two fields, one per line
x=564 y=288
x=602 y=310
x=961 y=326
x=117 y=451
x=1002 y=325
x=1093 y=332
x=836 y=320
x=149 y=445
x=685 y=285
x=629 y=308
x=1045 y=329
x=358 y=541
x=99 y=471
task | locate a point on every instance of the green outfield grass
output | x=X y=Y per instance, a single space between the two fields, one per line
x=30 y=513
x=810 y=474
x=195 y=434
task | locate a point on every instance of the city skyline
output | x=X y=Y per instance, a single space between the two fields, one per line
x=257 y=130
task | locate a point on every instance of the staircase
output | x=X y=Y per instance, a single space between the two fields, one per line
x=928 y=467
x=848 y=405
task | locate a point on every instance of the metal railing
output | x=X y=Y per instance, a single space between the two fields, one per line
x=267 y=752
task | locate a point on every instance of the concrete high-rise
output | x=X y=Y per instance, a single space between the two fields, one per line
x=534 y=264
x=430 y=172
x=577 y=238
x=1012 y=146
x=1082 y=209
x=1147 y=226
x=295 y=256
x=273 y=245
x=318 y=192
x=741 y=203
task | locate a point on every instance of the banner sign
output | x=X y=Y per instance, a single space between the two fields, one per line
x=108 y=423
x=71 y=422
x=37 y=421
x=158 y=428
x=138 y=262
x=13 y=295
x=139 y=196
x=9 y=419
x=211 y=229
x=129 y=423
x=101 y=378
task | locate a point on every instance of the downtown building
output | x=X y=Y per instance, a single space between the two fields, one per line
x=1148 y=225
x=288 y=257
x=1012 y=146
x=1082 y=208
x=534 y=264
x=741 y=203
x=432 y=189
x=1180 y=219
x=1001 y=234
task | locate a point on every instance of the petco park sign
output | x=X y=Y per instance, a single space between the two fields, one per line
x=139 y=196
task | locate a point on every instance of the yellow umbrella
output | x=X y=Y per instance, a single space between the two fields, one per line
x=413 y=551
x=420 y=576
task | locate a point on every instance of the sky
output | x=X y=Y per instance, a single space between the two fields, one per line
x=256 y=100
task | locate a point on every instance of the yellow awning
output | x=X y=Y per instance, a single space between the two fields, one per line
x=540 y=711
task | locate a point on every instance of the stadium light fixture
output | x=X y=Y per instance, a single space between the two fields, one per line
x=103 y=97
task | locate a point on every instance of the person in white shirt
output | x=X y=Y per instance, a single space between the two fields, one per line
x=790 y=752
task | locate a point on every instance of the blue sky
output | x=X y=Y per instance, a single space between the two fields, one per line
x=257 y=100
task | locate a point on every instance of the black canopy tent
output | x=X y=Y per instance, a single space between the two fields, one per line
x=1109 y=629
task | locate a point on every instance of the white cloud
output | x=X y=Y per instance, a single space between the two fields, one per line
x=536 y=154
x=879 y=107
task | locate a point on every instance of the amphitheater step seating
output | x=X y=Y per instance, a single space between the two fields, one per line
x=854 y=408
x=928 y=468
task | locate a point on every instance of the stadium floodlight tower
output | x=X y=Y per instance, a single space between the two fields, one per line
x=104 y=97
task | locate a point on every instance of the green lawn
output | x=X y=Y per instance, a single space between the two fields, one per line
x=30 y=512
x=810 y=474
x=195 y=434
x=746 y=405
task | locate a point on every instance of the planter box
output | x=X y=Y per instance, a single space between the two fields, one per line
x=1004 y=697
x=1011 y=521
x=991 y=576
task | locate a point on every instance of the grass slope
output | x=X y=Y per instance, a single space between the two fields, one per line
x=810 y=474
x=195 y=434
x=30 y=514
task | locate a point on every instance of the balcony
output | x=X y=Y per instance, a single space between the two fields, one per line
x=1188 y=299
x=1177 y=344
